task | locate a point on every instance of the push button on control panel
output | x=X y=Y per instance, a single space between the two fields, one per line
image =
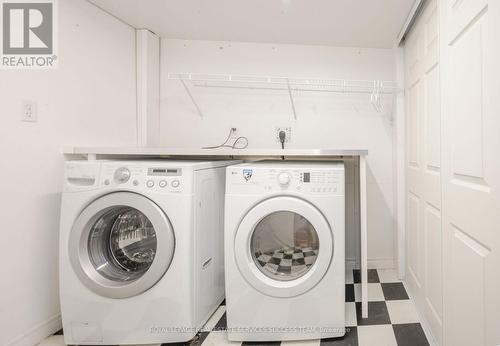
x=150 y=183
x=175 y=183
x=162 y=183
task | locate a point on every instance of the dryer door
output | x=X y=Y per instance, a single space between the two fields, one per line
x=121 y=245
x=284 y=246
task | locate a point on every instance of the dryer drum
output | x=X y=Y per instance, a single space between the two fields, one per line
x=284 y=245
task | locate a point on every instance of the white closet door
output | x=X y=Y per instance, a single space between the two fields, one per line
x=471 y=171
x=423 y=167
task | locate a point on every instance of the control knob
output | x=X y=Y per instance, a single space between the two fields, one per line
x=284 y=179
x=122 y=175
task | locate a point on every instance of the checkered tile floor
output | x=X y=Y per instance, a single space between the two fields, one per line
x=392 y=319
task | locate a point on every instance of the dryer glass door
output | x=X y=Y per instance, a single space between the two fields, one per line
x=284 y=246
x=121 y=245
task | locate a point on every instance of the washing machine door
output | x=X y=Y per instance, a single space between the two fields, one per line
x=284 y=246
x=121 y=245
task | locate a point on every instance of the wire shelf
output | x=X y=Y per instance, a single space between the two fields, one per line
x=375 y=88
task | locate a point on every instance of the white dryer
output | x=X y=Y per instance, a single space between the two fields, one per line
x=284 y=251
x=141 y=250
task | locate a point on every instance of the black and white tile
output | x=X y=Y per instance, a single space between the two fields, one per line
x=392 y=320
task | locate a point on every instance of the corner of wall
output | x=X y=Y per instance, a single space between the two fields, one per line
x=399 y=165
x=148 y=87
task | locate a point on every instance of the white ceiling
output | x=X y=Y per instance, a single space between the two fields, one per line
x=355 y=23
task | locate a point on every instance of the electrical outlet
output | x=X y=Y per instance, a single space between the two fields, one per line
x=288 y=131
x=234 y=133
x=29 y=111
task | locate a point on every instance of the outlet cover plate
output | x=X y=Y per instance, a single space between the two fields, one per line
x=288 y=131
x=29 y=111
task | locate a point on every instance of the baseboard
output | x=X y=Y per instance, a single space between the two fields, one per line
x=351 y=263
x=38 y=333
x=373 y=263
x=381 y=263
x=423 y=322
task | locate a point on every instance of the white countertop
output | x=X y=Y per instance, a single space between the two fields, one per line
x=223 y=152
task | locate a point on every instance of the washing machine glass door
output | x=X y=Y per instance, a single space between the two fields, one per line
x=121 y=245
x=284 y=246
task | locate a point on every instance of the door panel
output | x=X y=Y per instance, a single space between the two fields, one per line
x=434 y=272
x=423 y=170
x=468 y=274
x=414 y=129
x=433 y=121
x=466 y=85
x=471 y=171
x=413 y=239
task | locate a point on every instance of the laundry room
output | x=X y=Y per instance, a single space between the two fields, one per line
x=228 y=172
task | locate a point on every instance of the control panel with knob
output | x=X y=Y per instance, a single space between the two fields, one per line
x=284 y=178
x=136 y=176
x=319 y=179
x=121 y=175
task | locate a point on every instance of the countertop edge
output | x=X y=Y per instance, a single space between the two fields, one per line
x=160 y=151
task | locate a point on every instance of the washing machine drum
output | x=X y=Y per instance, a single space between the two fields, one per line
x=121 y=245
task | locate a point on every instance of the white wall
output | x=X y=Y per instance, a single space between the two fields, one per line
x=88 y=100
x=324 y=120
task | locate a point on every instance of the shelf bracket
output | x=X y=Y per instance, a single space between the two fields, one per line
x=291 y=99
x=191 y=97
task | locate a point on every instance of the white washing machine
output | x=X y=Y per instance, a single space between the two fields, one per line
x=284 y=251
x=141 y=250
